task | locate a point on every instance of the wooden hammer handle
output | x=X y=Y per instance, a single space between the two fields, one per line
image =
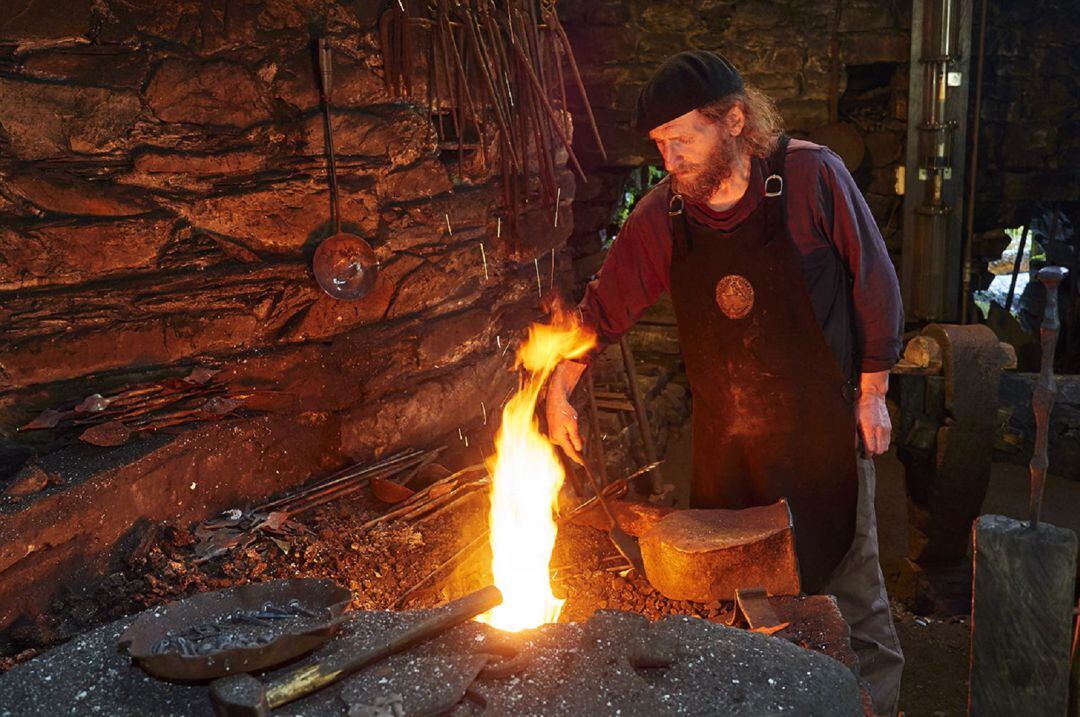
x=305 y=680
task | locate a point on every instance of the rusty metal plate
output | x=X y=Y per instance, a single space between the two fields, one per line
x=290 y=637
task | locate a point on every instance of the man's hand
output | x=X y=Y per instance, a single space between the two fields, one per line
x=872 y=415
x=562 y=419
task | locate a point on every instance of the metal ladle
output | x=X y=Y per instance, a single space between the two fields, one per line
x=344 y=264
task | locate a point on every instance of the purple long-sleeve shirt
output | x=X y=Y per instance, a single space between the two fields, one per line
x=850 y=279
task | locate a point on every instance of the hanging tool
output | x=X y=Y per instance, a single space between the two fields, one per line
x=344 y=264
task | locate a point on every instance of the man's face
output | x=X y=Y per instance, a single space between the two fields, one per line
x=698 y=154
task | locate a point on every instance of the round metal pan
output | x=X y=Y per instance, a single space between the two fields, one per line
x=295 y=636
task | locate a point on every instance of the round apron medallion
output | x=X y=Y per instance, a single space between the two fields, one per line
x=734 y=296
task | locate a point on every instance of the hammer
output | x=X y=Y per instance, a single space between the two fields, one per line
x=245 y=696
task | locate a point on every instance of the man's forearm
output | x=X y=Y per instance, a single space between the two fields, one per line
x=565 y=377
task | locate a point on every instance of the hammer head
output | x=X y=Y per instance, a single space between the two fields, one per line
x=239 y=696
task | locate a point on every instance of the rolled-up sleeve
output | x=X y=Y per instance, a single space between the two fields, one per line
x=634 y=274
x=878 y=314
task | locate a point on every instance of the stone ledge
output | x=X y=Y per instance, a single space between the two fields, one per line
x=67 y=535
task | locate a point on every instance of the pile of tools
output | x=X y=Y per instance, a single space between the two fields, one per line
x=236 y=527
x=111 y=420
x=497 y=70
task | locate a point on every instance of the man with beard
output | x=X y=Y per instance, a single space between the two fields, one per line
x=789 y=319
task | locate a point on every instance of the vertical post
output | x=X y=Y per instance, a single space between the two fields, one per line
x=1024 y=577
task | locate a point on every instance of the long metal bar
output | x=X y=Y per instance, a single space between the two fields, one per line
x=657 y=484
x=344 y=475
x=305 y=680
x=1017 y=263
x=969 y=234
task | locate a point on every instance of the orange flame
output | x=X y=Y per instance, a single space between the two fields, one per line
x=526 y=481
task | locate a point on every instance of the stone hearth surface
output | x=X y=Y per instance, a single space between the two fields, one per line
x=568 y=669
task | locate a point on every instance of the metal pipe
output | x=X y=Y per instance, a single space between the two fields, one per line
x=965 y=299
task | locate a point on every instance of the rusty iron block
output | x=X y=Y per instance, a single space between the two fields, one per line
x=706 y=555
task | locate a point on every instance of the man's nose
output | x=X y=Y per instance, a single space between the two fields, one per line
x=669 y=158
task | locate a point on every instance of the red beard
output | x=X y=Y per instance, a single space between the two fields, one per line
x=698 y=182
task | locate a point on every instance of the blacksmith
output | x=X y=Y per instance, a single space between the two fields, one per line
x=789 y=319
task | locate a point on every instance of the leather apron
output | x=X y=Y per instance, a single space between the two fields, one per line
x=773 y=416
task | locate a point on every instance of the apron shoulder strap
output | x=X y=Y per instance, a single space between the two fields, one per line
x=774 y=182
x=677 y=222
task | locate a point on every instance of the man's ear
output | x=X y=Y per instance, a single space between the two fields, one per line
x=735 y=120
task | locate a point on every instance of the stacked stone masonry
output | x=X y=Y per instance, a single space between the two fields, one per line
x=163 y=185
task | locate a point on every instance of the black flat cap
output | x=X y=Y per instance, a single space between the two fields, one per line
x=685 y=82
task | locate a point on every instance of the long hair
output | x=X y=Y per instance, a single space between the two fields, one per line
x=763 y=125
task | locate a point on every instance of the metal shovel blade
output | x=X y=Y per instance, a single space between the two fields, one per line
x=626 y=544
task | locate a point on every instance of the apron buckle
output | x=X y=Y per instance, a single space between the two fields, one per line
x=780 y=185
x=672 y=211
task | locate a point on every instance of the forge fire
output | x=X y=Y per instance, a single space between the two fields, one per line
x=539 y=357
x=526 y=478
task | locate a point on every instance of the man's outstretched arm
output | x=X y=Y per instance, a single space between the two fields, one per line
x=634 y=274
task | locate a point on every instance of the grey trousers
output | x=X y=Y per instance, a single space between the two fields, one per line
x=859 y=588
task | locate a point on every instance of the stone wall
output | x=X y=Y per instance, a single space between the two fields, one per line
x=781 y=48
x=1029 y=148
x=162 y=187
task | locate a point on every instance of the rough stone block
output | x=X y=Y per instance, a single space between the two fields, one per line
x=101 y=67
x=1021 y=622
x=49 y=120
x=193 y=172
x=706 y=555
x=354 y=84
x=215 y=93
x=66 y=194
x=285 y=216
x=72 y=253
x=860 y=48
x=396 y=132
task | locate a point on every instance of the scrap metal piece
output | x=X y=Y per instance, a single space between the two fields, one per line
x=308 y=679
x=753 y=605
x=166 y=643
x=706 y=555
